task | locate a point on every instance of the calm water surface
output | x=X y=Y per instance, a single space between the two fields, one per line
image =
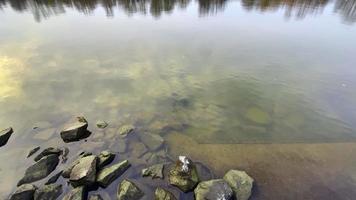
x=264 y=86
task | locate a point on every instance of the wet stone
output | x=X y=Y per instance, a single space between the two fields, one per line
x=48 y=192
x=40 y=169
x=54 y=178
x=84 y=172
x=162 y=194
x=76 y=130
x=101 y=124
x=152 y=141
x=128 y=191
x=95 y=197
x=24 y=192
x=154 y=171
x=108 y=174
x=126 y=129
x=48 y=151
x=240 y=182
x=105 y=158
x=33 y=151
x=75 y=194
x=213 y=189
x=184 y=174
x=5 y=135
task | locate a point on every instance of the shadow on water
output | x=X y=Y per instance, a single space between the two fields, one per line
x=42 y=9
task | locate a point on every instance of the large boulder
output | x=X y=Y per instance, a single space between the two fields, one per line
x=48 y=192
x=213 y=190
x=184 y=174
x=105 y=158
x=47 y=152
x=108 y=174
x=5 y=135
x=240 y=182
x=152 y=141
x=162 y=194
x=155 y=171
x=75 y=130
x=84 y=172
x=40 y=169
x=75 y=194
x=128 y=191
x=24 y=192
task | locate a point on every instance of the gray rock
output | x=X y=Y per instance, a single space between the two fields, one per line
x=76 y=130
x=84 y=172
x=75 y=194
x=162 y=194
x=54 y=178
x=213 y=190
x=240 y=182
x=47 y=152
x=101 y=124
x=40 y=169
x=126 y=129
x=5 y=135
x=33 y=151
x=107 y=175
x=95 y=197
x=68 y=169
x=155 y=171
x=105 y=158
x=128 y=191
x=24 y=192
x=152 y=141
x=184 y=174
x=48 y=192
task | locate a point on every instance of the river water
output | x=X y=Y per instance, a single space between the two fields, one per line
x=268 y=87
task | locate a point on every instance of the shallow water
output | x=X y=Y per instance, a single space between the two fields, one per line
x=263 y=86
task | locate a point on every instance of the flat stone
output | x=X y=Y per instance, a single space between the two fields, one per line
x=47 y=152
x=68 y=169
x=24 y=192
x=128 y=191
x=105 y=158
x=95 y=197
x=126 y=129
x=101 y=124
x=75 y=194
x=48 y=192
x=40 y=169
x=184 y=174
x=213 y=189
x=76 y=130
x=45 y=134
x=162 y=194
x=5 y=135
x=33 y=151
x=108 y=174
x=240 y=182
x=155 y=171
x=54 y=178
x=152 y=141
x=84 y=172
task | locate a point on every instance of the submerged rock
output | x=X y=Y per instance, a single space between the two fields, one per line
x=54 y=178
x=24 y=192
x=184 y=174
x=40 y=169
x=126 y=129
x=137 y=149
x=108 y=174
x=74 y=131
x=118 y=146
x=240 y=182
x=213 y=190
x=47 y=152
x=105 y=158
x=33 y=151
x=48 y=192
x=84 y=172
x=162 y=194
x=45 y=134
x=5 y=135
x=258 y=116
x=95 y=197
x=155 y=171
x=128 y=191
x=75 y=194
x=101 y=124
x=152 y=141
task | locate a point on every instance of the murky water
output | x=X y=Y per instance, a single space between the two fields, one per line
x=263 y=86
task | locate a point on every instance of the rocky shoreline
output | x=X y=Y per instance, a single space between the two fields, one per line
x=89 y=171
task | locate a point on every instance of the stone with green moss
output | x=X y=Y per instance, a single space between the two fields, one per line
x=101 y=124
x=155 y=171
x=5 y=135
x=108 y=174
x=129 y=191
x=240 y=182
x=184 y=174
x=75 y=194
x=126 y=129
x=162 y=194
x=48 y=192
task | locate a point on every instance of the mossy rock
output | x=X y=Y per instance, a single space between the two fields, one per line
x=258 y=116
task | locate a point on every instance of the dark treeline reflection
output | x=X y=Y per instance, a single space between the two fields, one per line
x=293 y=8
